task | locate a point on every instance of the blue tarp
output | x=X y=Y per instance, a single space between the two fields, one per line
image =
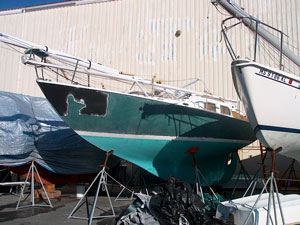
x=30 y=129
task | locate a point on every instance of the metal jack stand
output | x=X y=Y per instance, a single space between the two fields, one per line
x=257 y=176
x=31 y=171
x=90 y=213
x=291 y=174
x=254 y=183
x=262 y=169
x=243 y=172
x=118 y=198
x=273 y=185
x=133 y=179
x=192 y=151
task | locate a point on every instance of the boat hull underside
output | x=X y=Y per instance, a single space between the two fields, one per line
x=215 y=159
x=272 y=104
x=152 y=134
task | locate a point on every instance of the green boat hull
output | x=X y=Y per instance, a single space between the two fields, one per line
x=153 y=134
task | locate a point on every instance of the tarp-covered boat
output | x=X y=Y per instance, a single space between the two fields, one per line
x=30 y=130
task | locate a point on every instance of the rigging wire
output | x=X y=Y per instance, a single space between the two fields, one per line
x=222 y=13
x=11 y=48
x=273 y=56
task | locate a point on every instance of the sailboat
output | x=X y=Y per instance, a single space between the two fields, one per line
x=165 y=130
x=271 y=96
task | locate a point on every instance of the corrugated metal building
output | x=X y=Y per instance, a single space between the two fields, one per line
x=176 y=40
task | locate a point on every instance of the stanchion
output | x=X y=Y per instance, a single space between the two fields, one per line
x=31 y=171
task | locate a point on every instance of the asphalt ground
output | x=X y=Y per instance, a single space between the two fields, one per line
x=62 y=207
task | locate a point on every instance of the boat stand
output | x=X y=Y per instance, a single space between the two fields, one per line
x=102 y=182
x=291 y=175
x=12 y=184
x=242 y=173
x=132 y=179
x=32 y=171
x=273 y=190
x=257 y=176
x=192 y=151
x=119 y=198
x=253 y=183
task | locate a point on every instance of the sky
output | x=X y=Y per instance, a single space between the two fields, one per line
x=12 y=4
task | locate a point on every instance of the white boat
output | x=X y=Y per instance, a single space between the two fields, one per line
x=237 y=210
x=271 y=97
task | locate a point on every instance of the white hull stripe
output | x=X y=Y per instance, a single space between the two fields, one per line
x=156 y=137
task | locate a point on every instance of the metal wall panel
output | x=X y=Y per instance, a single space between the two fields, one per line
x=138 y=37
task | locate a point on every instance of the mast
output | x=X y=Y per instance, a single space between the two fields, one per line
x=239 y=13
